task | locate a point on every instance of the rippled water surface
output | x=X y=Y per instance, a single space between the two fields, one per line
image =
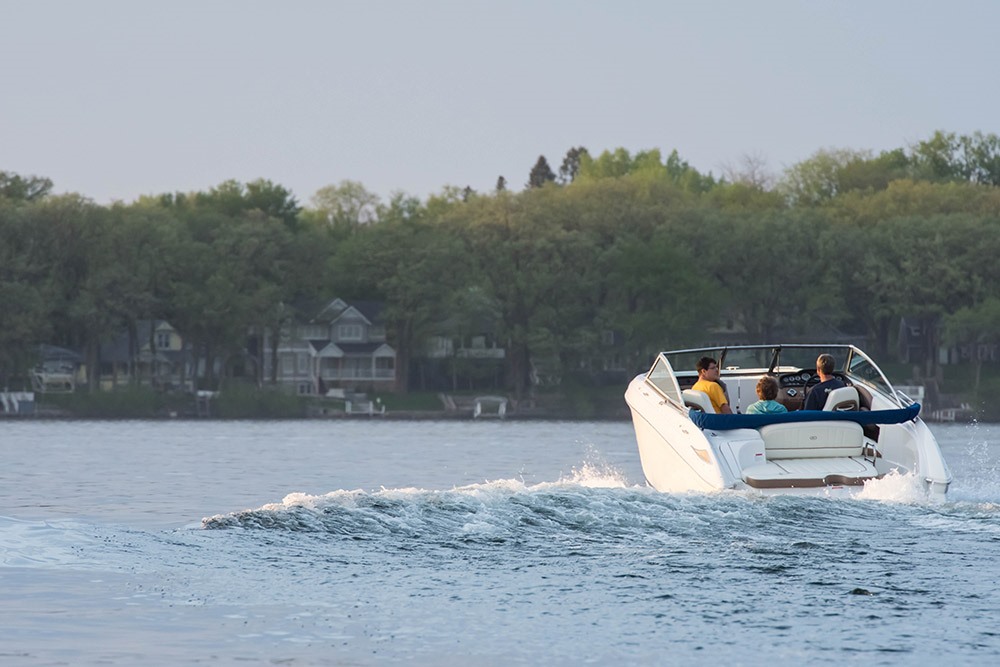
x=452 y=543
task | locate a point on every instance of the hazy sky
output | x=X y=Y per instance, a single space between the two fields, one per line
x=119 y=99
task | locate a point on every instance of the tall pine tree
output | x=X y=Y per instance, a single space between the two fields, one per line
x=541 y=173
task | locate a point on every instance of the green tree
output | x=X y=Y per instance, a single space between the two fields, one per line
x=936 y=158
x=347 y=204
x=981 y=156
x=69 y=244
x=23 y=188
x=818 y=179
x=947 y=156
x=974 y=325
x=272 y=200
x=233 y=199
x=649 y=281
x=768 y=291
x=648 y=165
x=609 y=164
x=541 y=173
x=466 y=310
x=534 y=261
x=409 y=264
x=913 y=266
x=128 y=289
x=23 y=297
x=571 y=164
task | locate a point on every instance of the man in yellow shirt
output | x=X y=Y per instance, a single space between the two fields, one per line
x=708 y=382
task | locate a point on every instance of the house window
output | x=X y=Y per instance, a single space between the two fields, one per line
x=303 y=363
x=313 y=332
x=287 y=365
x=349 y=331
x=162 y=340
x=305 y=388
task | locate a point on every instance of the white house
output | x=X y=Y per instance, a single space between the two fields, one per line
x=343 y=346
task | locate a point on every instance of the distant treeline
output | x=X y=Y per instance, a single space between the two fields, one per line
x=647 y=247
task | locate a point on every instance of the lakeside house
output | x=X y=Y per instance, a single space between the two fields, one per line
x=461 y=360
x=156 y=357
x=342 y=347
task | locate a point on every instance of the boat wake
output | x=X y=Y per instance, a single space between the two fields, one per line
x=595 y=499
x=496 y=510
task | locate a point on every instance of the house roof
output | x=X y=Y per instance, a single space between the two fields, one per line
x=333 y=310
x=318 y=345
x=330 y=311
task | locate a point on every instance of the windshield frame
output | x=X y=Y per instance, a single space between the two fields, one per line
x=852 y=362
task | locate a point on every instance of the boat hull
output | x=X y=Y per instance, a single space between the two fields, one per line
x=675 y=455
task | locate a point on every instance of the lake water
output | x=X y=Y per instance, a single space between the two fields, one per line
x=453 y=543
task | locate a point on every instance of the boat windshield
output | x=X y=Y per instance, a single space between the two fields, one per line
x=805 y=357
x=864 y=369
x=757 y=357
x=684 y=360
x=847 y=359
x=662 y=378
x=742 y=358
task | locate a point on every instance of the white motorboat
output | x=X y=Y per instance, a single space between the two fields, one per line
x=865 y=431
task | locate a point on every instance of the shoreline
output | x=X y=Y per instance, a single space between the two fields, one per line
x=400 y=415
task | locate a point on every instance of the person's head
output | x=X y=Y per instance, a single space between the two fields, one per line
x=767 y=388
x=708 y=369
x=825 y=364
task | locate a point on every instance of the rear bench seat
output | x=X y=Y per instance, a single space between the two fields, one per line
x=812 y=440
x=811 y=454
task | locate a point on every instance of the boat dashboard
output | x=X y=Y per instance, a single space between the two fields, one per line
x=794 y=387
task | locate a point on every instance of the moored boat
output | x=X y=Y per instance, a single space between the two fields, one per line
x=866 y=430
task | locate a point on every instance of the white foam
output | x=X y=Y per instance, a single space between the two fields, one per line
x=894 y=488
x=480 y=529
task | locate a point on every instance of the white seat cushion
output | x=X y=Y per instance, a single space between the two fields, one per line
x=699 y=400
x=845 y=398
x=818 y=439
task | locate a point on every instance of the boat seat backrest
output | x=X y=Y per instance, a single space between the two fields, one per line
x=698 y=400
x=811 y=440
x=845 y=398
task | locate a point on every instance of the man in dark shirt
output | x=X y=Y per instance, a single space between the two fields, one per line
x=827 y=383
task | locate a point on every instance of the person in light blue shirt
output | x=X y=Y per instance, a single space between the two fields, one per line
x=767 y=391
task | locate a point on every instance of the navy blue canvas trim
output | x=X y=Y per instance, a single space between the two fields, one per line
x=715 y=422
